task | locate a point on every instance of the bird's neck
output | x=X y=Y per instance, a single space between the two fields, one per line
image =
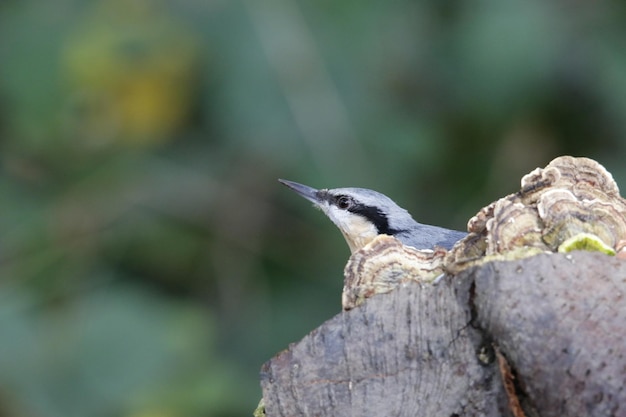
x=360 y=234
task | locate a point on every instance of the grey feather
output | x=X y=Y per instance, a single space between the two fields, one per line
x=423 y=236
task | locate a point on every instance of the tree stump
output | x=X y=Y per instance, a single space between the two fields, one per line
x=559 y=320
x=524 y=324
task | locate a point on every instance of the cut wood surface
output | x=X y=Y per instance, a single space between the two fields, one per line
x=561 y=322
x=426 y=350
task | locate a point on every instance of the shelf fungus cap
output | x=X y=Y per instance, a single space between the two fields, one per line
x=571 y=204
x=568 y=171
x=384 y=264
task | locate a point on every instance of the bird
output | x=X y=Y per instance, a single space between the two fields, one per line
x=362 y=214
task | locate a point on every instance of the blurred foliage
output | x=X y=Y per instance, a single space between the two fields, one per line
x=151 y=262
x=131 y=72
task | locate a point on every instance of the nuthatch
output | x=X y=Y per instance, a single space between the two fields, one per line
x=363 y=214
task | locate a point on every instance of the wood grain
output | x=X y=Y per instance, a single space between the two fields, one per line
x=424 y=350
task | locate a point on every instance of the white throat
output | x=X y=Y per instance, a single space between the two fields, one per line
x=357 y=230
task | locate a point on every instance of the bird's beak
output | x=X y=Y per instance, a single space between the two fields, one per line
x=305 y=191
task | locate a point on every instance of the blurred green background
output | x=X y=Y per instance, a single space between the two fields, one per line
x=150 y=262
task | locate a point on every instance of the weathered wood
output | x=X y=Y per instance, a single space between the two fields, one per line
x=559 y=319
x=561 y=322
x=410 y=352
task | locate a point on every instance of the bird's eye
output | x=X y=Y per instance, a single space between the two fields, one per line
x=344 y=202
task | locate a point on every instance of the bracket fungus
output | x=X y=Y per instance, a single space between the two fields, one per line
x=383 y=264
x=571 y=204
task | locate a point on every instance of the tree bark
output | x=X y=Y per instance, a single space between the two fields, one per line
x=425 y=350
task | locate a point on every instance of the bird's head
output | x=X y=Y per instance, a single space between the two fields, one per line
x=359 y=213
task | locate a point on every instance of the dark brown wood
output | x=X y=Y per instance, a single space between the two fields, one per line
x=424 y=350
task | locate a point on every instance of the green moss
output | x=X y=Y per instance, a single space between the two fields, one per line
x=585 y=241
x=260 y=409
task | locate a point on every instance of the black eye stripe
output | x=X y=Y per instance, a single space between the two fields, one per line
x=374 y=215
